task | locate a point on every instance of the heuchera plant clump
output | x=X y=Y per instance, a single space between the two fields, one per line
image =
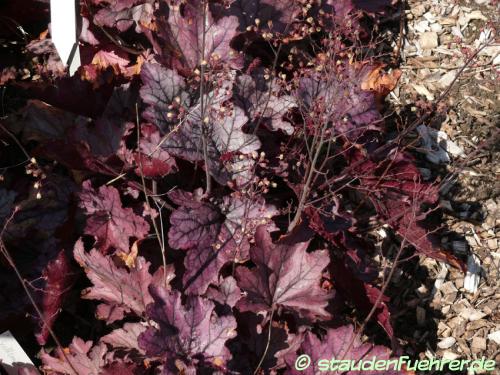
x=207 y=181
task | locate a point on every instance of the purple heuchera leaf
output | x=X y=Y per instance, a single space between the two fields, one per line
x=110 y=223
x=123 y=17
x=186 y=331
x=224 y=136
x=126 y=337
x=196 y=224
x=153 y=161
x=361 y=294
x=110 y=313
x=203 y=264
x=261 y=102
x=86 y=35
x=115 y=286
x=341 y=101
x=227 y=292
x=60 y=278
x=170 y=109
x=122 y=367
x=82 y=357
x=163 y=90
x=213 y=234
x=185 y=33
x=335 y=345
x=286 y=275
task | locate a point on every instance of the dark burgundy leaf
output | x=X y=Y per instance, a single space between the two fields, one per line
x=151 y=160
x=373 y=5
x=122 y=368
x=60 y=277
x=252 y=341
x=417 y=234
x=286 y=275
x=360 y=293
x=328 y=226
x=110 y=223
x=39 y=121
x=6 y=205
x=399 y=196
x=280 y=13
x=39 y=216
x=105 y=136
x=47 y=124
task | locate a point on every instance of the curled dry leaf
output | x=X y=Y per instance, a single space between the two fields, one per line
x=380 y=82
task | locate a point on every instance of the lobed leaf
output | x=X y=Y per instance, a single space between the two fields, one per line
x=262 y=102
x=60 y=278
x=194 y=42
x=112 y=225
x=213 y=235
x=187 y=331
x=285 y=275
x=80 y=358
x=113 y=285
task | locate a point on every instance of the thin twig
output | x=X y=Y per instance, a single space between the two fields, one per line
x=307 y=185
x=160 y=238
x=397 y=50
x=21 y=147
x=6 y=254
x=202 y=101
x=380 y=150
x=267 y=344
x=115 y=40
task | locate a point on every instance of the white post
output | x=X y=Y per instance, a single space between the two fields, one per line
x=63 y=31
